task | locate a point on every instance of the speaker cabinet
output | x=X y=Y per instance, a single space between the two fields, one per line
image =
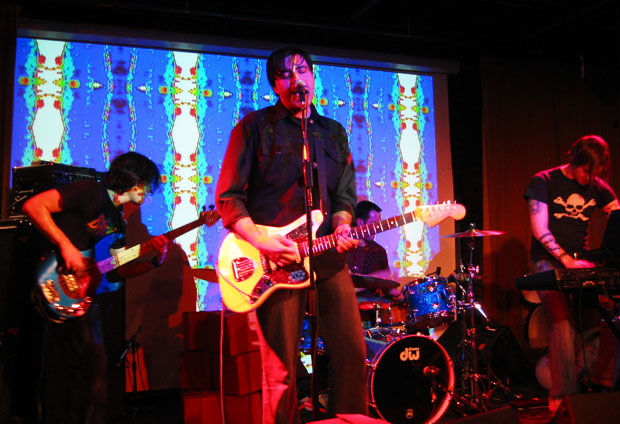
x=599 y=408
x=20 y=245
x=21 y=329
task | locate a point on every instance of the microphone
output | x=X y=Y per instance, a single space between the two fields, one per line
x=300 y=87
x=432 y=372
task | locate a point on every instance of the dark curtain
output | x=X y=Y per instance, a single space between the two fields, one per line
x=532 y=113
x=8 y=26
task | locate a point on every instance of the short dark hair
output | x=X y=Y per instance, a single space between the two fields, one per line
x=130 y=169
x=591 y=150
x=363 y=208
x=275 y=62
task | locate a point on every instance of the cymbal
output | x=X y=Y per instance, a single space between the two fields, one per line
x=366 y=282
x=472 y=232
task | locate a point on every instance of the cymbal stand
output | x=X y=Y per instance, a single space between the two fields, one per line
x=478 y=388
x=470 y=377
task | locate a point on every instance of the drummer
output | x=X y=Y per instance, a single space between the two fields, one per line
x=370 y=258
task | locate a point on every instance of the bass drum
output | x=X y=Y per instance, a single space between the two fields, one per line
x=405 y=379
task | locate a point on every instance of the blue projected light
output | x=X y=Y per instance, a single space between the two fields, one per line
x=82 y=104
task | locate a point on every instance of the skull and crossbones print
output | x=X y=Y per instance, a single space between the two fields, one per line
x=574 y=206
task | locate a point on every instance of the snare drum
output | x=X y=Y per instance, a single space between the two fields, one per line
x=405 y=379
x=429 y=302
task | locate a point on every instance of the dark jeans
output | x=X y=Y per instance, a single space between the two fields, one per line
x=281 y=318
x=562 y=363
x=74 y=371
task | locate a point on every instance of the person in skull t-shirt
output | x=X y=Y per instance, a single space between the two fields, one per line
x=561 y=201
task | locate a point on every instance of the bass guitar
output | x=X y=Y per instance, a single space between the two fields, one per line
x=248 y=277
x=63 y=295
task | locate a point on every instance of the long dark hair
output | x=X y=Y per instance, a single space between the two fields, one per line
x=130 y=169
x=591 y=150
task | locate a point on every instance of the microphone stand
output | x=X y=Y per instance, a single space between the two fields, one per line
x=308 y=167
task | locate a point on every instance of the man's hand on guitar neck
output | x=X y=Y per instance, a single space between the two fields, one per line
x=160 y=243
x=341 y=222
x=345 y=242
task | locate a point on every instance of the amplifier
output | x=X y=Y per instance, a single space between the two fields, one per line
x=41 y=176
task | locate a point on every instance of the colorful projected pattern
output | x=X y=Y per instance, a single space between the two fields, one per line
x=82 y=104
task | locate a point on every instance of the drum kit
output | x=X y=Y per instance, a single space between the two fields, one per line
x=411 y=377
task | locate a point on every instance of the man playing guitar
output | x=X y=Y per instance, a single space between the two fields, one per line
x=261 y=182
x=75 y=218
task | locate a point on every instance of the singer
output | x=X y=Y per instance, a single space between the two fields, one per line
x=261 y=182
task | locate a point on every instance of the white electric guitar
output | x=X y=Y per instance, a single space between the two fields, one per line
x=247 y=277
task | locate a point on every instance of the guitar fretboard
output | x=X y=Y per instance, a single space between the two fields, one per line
x=322 y=244
x=128 y=255
x=123 y=257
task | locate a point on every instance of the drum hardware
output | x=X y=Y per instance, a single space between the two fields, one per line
x=461 y=401
x=432 y=372
x=367 y=282
x=377 y=306
x=476 y=388
x=380 y=307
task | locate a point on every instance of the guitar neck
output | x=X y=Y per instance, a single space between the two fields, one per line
x=324 y=243
x=138 y=250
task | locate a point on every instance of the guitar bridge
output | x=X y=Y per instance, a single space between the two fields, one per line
x=75 y=310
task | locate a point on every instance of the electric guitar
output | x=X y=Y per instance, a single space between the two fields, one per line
x=248 y=277
x=63 y=295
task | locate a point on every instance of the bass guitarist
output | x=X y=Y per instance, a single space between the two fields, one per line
x=75 y=217
x=261 y=182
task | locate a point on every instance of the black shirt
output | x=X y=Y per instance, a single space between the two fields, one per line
x=262 y=174
x=88 y=213
x=570 y=207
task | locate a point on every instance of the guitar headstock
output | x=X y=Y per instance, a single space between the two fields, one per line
x=435 y=214
x=209 y=217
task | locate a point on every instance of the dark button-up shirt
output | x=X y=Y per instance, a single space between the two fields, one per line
x=262 y=171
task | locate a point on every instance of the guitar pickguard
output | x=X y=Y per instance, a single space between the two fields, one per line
x=247 y=276
x=243 y=269
x=290 y=275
